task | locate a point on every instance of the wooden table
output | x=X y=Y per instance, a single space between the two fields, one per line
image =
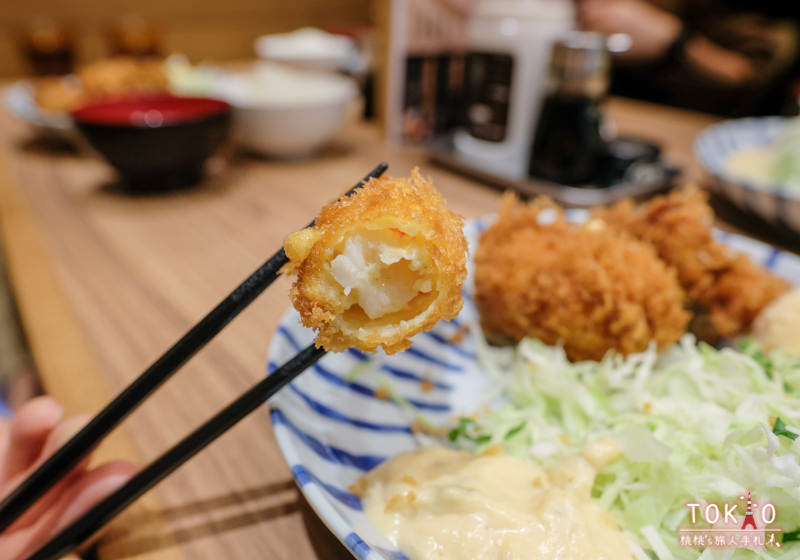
x=107 y=281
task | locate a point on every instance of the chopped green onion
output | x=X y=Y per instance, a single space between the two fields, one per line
x=780 y=429
x=515 y=430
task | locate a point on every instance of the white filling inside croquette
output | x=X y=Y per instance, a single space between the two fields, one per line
x=378 y=275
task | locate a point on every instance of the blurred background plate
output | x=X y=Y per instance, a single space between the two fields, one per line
x=332 y=424
x=19 y=99
x=760 y=140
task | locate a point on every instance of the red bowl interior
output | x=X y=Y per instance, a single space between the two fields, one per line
x=149 y=111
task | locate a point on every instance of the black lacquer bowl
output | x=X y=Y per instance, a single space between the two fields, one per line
x=155 y=142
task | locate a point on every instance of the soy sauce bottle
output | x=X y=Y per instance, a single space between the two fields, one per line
x=568 y=146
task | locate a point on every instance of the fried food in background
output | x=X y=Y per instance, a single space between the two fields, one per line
x=59 y=93
x=777 y=327
x=379 y=266
x=100 y=80
x=123 y=75
x=726 y=289
x=589 y=287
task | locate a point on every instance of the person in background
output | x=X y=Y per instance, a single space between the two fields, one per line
x=36 y=430
x=729 y=57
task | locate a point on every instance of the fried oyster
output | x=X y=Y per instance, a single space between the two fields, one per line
x=587 y=287
x=379 y=266
x=726 y=289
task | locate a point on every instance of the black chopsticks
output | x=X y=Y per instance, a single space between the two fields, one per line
x=87 y=525
x=69 y=454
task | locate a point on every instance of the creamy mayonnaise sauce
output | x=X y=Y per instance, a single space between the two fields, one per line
x=752 y=165
x=437 y=503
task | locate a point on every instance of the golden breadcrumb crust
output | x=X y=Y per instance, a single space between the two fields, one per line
x=726 y=289
x=411 y=207
x=588 y=287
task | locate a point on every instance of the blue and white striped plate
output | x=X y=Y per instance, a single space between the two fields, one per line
x=332 y=428
x=779 y=204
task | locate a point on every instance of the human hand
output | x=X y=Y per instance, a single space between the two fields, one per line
x=34 y=433
x=651 y=29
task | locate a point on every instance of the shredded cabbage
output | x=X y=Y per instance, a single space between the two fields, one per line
x=784 y=164
x=695 y=423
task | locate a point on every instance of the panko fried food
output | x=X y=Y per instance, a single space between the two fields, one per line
x=122 y=76
x=588 y=287
x=58 y=93
x=726 y=289
x=100 y=80
x=379 y=266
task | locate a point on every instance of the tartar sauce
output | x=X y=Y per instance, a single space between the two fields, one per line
x=437 y=503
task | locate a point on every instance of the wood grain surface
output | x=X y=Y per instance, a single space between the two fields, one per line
x=107 y=281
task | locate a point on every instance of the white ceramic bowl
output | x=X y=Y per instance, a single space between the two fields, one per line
x=778 y=204
x=308 y=48
x=285 y=113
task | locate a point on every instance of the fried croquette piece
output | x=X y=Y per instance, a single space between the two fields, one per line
x=726 y=289
x=379 y=266
x=588 y=287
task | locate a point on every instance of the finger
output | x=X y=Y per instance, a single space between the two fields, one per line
x=5 y=435
x=86 y=491
x=27 y=435
x=55 y=439
x=5 y=424
x=63 y=433
x=18 y=540
x=93 y=487
x=58 y=436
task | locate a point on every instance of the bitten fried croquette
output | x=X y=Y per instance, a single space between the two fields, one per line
x=588 y=287
x=726 y=289
x=379 y=266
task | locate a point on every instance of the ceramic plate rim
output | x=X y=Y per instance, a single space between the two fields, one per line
x=712 y=160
